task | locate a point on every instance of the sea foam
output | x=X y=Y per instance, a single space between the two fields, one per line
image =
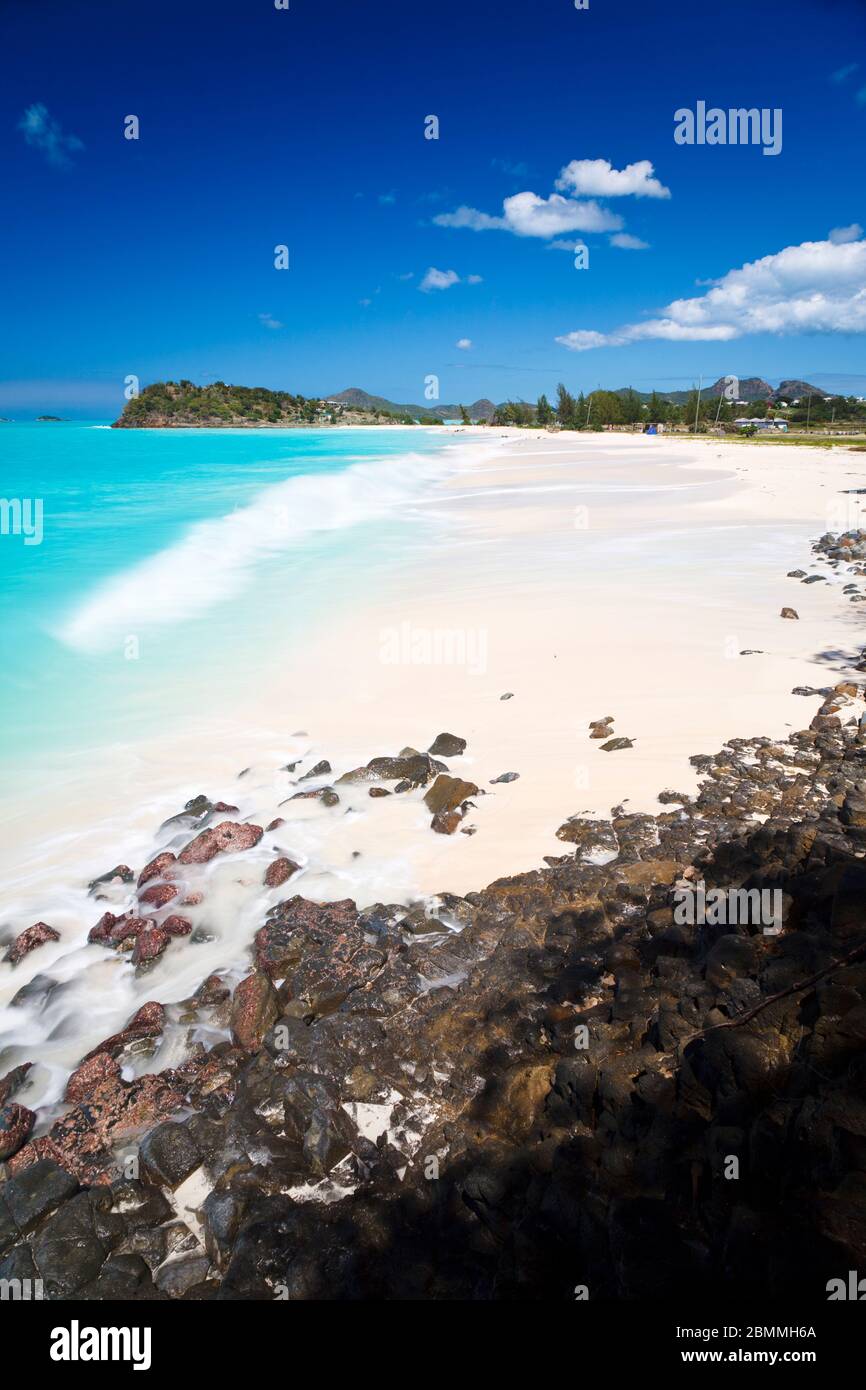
x=216 y=558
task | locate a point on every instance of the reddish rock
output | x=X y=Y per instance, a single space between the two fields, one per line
x=275 y=823
x=147 y=1022
x=127 y=928
x=225 y=838
x=224 y=807
x=85 y=1079
x=149 y=944
x=255 y=1009
x=157 y=867
x=82 y=1139
x=158 y=895
x=177 y=926
x=192 y=900
x=446 y=822
x=102 y=930
x=29 y=939
x=32 y=1153
x=16 y=1123
x=278 y=872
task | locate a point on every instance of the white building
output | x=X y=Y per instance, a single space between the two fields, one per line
x=743 y=423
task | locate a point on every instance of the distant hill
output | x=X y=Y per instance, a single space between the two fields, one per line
x=357 y=399
x=797 y=390
x=751 y=388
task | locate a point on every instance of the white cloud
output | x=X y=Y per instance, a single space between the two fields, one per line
x=816 y=287
x=470 y=217
x=439 y=280
x=464 y=344
x=528 y=215
x=269 y=321
x=444 y=279
x=626 y=242
x=840 y=235
x=597 y=178
x=408 y=276
x=44 y=133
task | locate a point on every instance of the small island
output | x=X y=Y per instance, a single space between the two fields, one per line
x=182 y=404
x=170 y=404
x=53 y=419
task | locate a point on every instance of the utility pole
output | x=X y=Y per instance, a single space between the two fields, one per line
x=808 y=411
x=698 y=406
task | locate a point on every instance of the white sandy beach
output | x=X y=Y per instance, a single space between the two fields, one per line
x=585 y=575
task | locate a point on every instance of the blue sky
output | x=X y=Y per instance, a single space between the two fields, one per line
x=305 y=127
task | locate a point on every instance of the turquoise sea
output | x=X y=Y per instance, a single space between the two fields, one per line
x=176 y=565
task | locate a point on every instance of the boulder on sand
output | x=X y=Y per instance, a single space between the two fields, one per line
x=447 y=793
x=447 y=746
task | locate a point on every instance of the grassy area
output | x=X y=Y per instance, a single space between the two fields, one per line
x=812 y=441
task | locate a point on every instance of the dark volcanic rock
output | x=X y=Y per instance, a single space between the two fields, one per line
x=121 y=873
x=35 y=1192
x=169 y=1154
x=281 y=943
x=447 y=746
x=447 y=793
x=13 y=1081
x=320 y=770
x=415 y=768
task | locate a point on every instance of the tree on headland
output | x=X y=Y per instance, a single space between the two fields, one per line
x=464 y=416
x=543 y=410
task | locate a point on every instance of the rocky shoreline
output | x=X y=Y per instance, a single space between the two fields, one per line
x=552 y=1088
